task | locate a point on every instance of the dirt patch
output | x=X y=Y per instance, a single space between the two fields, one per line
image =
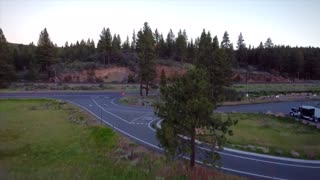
x=116 y=74
x=120 y=74
x=170 y=71
x=257 y=77
x=109 y=74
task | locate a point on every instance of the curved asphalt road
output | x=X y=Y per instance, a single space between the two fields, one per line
x=135 y=122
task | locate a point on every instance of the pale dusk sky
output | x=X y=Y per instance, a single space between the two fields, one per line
x=288 y=22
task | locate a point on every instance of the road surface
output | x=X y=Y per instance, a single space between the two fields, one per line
x=135 y=123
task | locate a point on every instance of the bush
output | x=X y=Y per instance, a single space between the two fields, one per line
x=99 y=80
x=232 y=95
x=131 y=78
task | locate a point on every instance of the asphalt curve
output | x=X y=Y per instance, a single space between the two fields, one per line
x=135 y=123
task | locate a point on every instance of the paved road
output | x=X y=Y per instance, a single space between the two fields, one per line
x=135 y=122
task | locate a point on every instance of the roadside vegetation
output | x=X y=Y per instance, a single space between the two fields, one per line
x=16 y=87
x=44 y=139
x=257 y=90
x=274 y=135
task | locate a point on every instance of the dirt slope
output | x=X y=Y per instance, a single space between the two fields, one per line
x=118 y=74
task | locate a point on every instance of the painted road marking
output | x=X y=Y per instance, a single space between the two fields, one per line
x=124 y=120
x=157 y=147
x=144 y=116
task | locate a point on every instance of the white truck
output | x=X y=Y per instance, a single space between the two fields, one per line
x=309 y=113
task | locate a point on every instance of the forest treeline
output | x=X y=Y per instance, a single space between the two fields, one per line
x=45 y=59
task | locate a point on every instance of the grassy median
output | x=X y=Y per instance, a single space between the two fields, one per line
x=48 y=139
x=274 y=135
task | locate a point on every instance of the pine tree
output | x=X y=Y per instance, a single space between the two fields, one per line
x=228 y=47
x=146 y=51
x=45 y=53
x=225 y=43
x=126 y=44
x=185 y=107
x=215 y=62
x=163 y=79
x=162 y=47
x=157 y=41
x=242 y=51
x=191 y=52
x=268 y=43
x=215 y=43
x=156 y=36
x=205 y=49
x=105 y=44
x=170 y=42
x=181 y=46
x=134 y=41
x=116 y=43
x=7 y=72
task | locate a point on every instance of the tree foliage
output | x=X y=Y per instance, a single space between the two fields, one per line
x=185 y=107
x=45 y=53
x=146 y=52
x=214 y=61
x=40 y=62
x=181 y=46
x=7 y=73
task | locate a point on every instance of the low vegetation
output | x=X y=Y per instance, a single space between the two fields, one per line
x=70 y=87
x=73 y=145
x=275 y=89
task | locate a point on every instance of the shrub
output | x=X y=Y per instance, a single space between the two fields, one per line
x=99 y=80
x=131 y=78
x=233 y=95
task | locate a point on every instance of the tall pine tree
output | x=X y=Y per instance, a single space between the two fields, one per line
x=181 y=46
x=45 y=53
x=185 y=107
x=105 y=44
x=7 y=73
x=146 y=52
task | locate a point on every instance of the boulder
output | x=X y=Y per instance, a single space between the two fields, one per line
x=252 y=147
x=295 y=154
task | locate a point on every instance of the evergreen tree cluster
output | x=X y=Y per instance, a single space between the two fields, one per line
x=39 y=59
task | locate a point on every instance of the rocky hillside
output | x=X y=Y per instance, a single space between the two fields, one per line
x=118 y=74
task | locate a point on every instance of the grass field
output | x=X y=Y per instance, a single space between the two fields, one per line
x=16 y=87
x=283 y=88
x=47 y=139
x=275 y=135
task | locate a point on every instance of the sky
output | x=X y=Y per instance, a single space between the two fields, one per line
x=286 y=22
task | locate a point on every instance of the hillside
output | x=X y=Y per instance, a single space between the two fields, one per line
x=122 y=74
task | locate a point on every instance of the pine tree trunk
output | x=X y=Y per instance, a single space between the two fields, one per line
x=147 y=88
x=104 y=59
x=108 y=57
x=193 y=150
x=141 y=88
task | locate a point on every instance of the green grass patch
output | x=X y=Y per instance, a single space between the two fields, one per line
x=48 y=139
x=16 y=87
x=272 y=89
x=277 y=135
x=41 y=141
